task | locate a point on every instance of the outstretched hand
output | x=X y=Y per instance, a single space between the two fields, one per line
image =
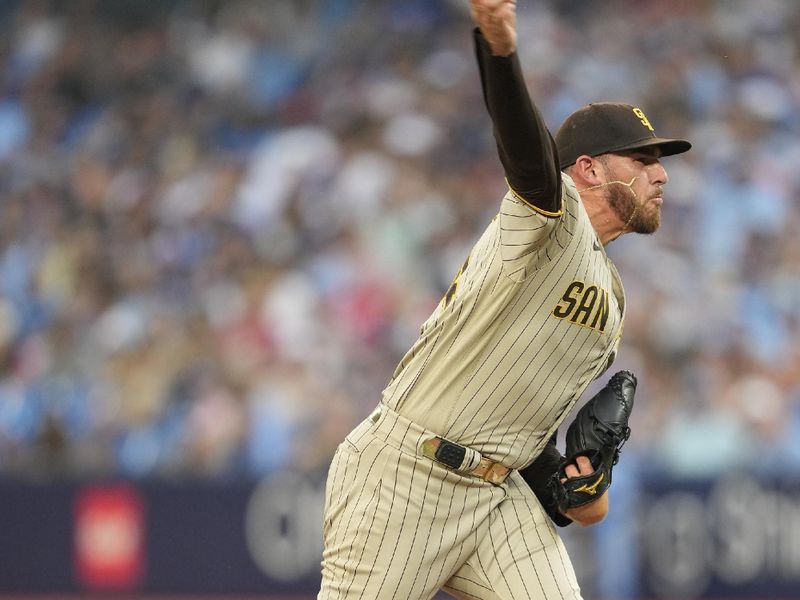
x=497 y=20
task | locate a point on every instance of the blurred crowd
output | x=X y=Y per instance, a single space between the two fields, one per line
x=222 y=223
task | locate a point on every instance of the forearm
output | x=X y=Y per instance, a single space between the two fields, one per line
x=525 y=146
x=591 y=513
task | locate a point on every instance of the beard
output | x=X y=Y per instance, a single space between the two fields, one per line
x=632 y=211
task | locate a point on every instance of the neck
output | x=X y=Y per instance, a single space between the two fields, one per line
x=603 y=218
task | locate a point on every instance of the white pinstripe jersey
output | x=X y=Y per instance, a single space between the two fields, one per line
x=534 y=316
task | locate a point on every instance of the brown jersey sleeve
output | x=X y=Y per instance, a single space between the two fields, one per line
x=526 y=148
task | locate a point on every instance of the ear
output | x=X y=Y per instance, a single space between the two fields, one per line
x=587 y=169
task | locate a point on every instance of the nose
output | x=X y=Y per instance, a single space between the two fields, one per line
x=658 y=174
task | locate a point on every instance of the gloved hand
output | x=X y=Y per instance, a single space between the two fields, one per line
x=598 y=432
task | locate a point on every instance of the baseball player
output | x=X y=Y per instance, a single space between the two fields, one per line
x=454 y=482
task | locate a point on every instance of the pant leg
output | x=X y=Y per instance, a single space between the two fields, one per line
x=470 y=584
x=522 y=556
x=397 y=525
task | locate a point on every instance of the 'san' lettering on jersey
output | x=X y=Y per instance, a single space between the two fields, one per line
x=584 y=305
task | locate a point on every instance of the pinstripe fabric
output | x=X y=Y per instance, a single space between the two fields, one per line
x=514 y=343
x=522 y=557
x=494 y=369
x=390 y=533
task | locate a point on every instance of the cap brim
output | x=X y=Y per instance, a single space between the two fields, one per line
x=667 y=146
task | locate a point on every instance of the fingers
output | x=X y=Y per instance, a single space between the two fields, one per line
x=582 y=466
x=497 y=21
x=489 y=5
x=571 y=471
x=492 y=11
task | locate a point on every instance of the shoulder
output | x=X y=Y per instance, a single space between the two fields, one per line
x=574 y=210
x=569 y=191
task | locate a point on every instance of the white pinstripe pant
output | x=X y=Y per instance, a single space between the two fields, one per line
x=400 y=526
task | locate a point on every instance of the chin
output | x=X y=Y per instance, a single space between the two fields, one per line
x=648 y=224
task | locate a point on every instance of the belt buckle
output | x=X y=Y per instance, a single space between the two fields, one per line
x=445 y=452
x=452 y=455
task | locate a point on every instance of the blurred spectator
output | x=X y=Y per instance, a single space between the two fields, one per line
x=222 y=223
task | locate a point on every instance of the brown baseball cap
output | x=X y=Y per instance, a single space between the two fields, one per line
x=603 y=127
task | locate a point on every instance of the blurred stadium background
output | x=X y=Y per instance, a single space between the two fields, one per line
x=222 y=223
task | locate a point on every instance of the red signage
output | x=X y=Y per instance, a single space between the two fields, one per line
x=109 y=537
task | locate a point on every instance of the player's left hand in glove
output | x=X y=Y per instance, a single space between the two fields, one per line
x=598 y=432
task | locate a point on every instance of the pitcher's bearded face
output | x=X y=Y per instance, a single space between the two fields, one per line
x=636 y=188
x=640 y=216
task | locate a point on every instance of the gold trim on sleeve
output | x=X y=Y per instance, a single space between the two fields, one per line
x=541 y=211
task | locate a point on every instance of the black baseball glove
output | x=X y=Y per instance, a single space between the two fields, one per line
x=538 y=476
x=598 y=432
